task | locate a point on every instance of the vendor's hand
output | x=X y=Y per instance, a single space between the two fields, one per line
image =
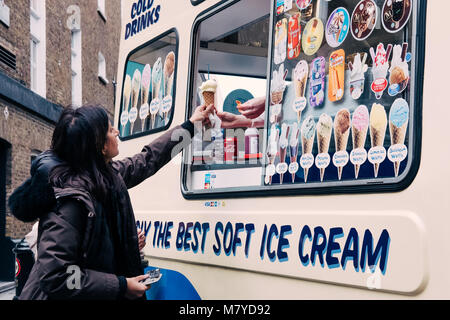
x=135 y=289
x=253 y=108
x=201 y=114
x=141 y=239
x=230 y=120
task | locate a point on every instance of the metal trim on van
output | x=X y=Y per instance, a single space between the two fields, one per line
x=370 y=187
x=167 y=126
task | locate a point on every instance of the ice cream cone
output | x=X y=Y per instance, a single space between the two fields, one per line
x=307 y=146
x=378 y=123
x=397 y=137
x=341 y=133
x=153 y=120
x=398 y=125
x=324 y=128
x=359 y=140
x=169 y=67
x=208 y=97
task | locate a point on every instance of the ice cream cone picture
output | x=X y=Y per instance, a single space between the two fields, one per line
x=300 y=78
x=135 y=89
x=357 y=75
x=398 y=125
x=360 y=126
x=302 y=4
x=308 y=131
x=125 y=103
x=145 y=91
x=336 y=75
x=317 y=82
x=272 y=151
x=157 y=90
x=169 y=68
x=364 y=19
x=312 y=36
x=380 y=68
x=293 y=149
x=396 y=14
x=399 y=71
x=324 y=129
x=281 y=35
x=208 y=91
x=294 y=36
x=341 y=134
x=282 y=167
x=277 y=88
x=378 y=124
x=337 y=27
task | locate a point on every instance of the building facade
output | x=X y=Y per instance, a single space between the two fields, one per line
x=53 y=53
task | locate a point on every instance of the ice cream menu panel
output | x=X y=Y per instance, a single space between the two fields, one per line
x=340 y=91
x=148 y=88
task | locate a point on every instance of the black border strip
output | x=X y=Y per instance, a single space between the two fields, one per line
x=196 y=2
x=167 y=126
x=326 y=190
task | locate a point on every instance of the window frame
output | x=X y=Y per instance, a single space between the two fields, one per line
x=328 y=189
x=175 y=75
x=102 y=68
x=101 y=9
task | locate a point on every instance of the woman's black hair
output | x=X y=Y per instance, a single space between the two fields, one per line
x=78 y=140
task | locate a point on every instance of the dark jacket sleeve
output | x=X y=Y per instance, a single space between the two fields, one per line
x=154 y=156
x=59 y=255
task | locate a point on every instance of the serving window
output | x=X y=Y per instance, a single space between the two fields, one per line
x=342 y=106
x=148 y=91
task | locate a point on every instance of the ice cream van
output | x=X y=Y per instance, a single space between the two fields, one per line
x=333 y=187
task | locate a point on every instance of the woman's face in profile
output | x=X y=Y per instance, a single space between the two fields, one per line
x=111 y=148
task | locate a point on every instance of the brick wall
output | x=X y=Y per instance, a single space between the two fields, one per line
x=27 y=132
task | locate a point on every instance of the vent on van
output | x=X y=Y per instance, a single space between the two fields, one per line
x=8 y=58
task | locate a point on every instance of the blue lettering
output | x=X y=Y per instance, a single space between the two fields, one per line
x=155 y=232
x=237 y=241
x=139 y=7
x=228 y=233
x=219 y=227
x=197 y=228
x=180 y=235
x=333 y=247
x=133 y=11
x=318 y=248
x=133 y=27
x=273 y=231
x=158 y=8
x=306 y=232
x=205 y=228
x=187 y=236
x=168 y=235
x=380 y=253
x=263 y=242
x=249 y=228
x=283 y=243
x=161 y=234
x=351 y=249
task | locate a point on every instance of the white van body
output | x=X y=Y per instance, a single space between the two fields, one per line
x=416 y=219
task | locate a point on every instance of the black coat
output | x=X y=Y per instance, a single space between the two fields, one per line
x=74 y=234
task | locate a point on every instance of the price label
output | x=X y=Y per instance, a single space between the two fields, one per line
x=323 y=160
x=167 y=104
x=124 y=118
x=340 y=159
x=397 y=153
x=282 y=168
x=154 y=106
x=133 y=115
x=307 y=161
x=358 y=156
x=270 y=170
x=299 y=104
x=376 y=155
x=293 y=167
x=143 y=112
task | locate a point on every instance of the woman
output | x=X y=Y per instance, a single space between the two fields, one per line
x=88 y=243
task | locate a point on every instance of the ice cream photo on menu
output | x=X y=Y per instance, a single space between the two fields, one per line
x=145 y=92
x=157 y=80
x=336 y=75
x=169 y=67
x=399 y=71
x=357 y=75
x=364 y=19
x=378 y=124
x=136 y=88
x=324 y=130
x=360 y=126
x=126 y=103
x=300 y=79
x=294 y=36
x=317 y=82
x=293 y=149
x=302 y=4
x=283 y=145
x=277 y=88
x=341 y=134
x=272 y=151
x=308 y=131
x=398 y=125
x=380 y=68
x=312 y=36
x=208 y=91
x=280 y=41
x=396 y=14
x=337 y=27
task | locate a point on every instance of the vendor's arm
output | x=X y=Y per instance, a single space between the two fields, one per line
x=231 y=121
x=154 y=156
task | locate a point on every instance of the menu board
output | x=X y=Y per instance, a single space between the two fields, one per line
x=340 y=91
x=148 y=88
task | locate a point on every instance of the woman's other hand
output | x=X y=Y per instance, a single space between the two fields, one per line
x=230 y=120
x=253 y=108
x=201 y=114
x=135 y=289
